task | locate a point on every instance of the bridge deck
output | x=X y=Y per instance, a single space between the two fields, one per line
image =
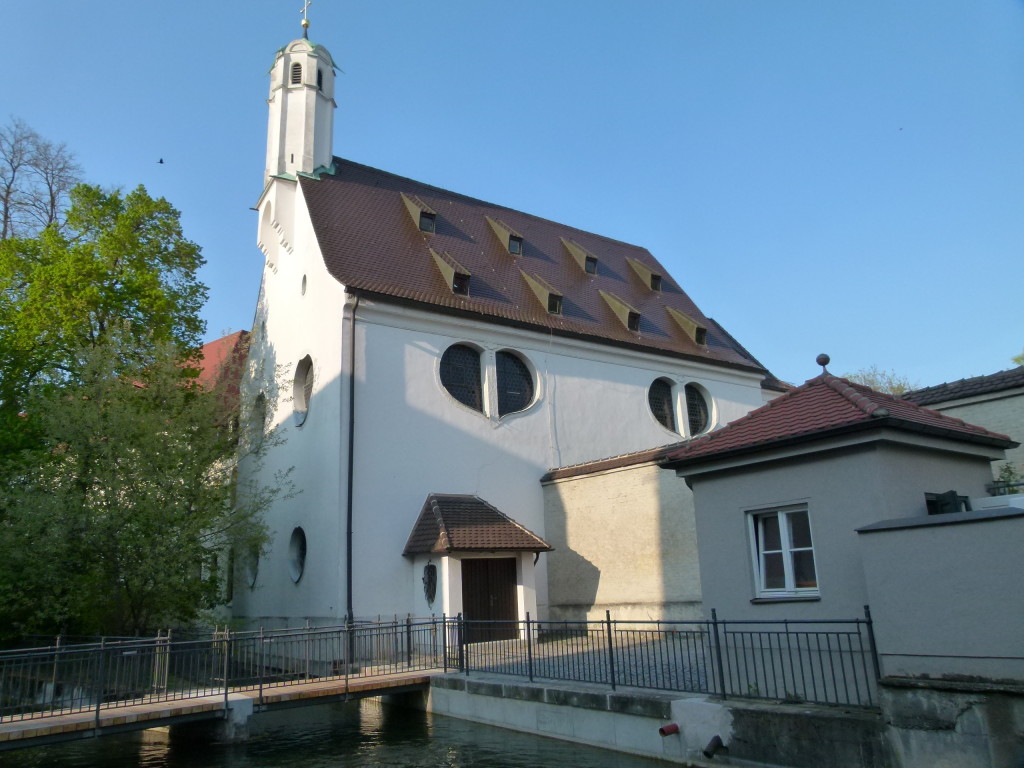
x=23 y=731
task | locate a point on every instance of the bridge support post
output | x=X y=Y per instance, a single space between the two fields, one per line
x=235 y=726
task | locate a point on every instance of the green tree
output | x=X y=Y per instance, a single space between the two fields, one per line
x=120 y=517
x=881 y=380
x=1019 y=359
x=119 y=259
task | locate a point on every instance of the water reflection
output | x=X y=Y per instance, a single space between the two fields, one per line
x=331 y=736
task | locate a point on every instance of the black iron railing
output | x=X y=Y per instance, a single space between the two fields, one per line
x=829 y=662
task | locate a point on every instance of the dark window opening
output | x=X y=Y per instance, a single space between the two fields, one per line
x=659 y=397
x=633 y=321
x=460 y=284
x=515 y=384
x=319 y=79
x=460 y=375
x=697 y=413
x=428 y=221
x=554 y=304
x=296 y=74
x=655 y=282
x=515 y=245
x=701 y=336
x=590 y=265
x=946 y=503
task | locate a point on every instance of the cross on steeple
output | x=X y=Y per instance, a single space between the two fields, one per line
x=305 y=19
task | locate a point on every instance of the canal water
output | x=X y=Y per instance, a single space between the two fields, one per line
x=349 y=735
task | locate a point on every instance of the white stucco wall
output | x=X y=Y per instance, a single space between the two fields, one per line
x=842 y=490
x=625 y=541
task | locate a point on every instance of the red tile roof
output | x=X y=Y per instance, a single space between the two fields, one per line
x=976 y=385
x=372 y=245
x=223 y=362
x=459 y=523
x=822 y=407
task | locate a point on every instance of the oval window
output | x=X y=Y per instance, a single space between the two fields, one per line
x=515 y=383
x=297 y=554
x=659 y=397
x=697 y=412
x=460 y=375
x=302 y=389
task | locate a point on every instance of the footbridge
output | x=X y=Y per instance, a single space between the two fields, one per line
x=67 y=692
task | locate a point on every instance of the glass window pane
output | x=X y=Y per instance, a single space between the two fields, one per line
x=770 y=538
x=515 y=384
x=696 y=410
x=774 y=572
x=799 y=530
x=659 y=397
x=460 y=375
x=803 y=569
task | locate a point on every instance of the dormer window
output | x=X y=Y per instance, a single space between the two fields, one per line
x=454 y=274
x=428 y=221
x=508 y=237
x=555 y=304
x=586 y=260
x=590 y=265
x=628 y=315
x=320 y=80
x=460 y=284
x=549 y=297
x=655 y=282
x=422 y=215
x=296 y=74
x=645 y=273
x=633 y=321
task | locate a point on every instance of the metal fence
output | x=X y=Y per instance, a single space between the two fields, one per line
x=828 y=662
x=822 y=662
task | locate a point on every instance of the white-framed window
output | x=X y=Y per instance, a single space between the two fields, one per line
x=673 y=405
x=783 y=552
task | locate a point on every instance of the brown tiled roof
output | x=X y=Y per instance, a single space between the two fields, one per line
x=976 y=385
x=824 y=406
x=372 y=245
x=223 y=360
x=612 y=462
x=462 y=523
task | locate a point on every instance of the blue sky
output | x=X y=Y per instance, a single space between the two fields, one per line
x=819 y=177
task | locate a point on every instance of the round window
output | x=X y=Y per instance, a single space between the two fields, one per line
x=297 y=554
x=659 y=397
x=460 y=375
x=515 y=383
x=698 y=414
x=302 y=389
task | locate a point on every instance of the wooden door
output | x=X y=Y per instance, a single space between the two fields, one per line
x=489 y=599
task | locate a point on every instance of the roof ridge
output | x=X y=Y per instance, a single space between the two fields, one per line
x=445 y=536
x=858 y=398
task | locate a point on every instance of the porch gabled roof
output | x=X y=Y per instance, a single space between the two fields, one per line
x=464 y=523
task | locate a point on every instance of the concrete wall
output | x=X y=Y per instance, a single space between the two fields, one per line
x=842 y=490
x=999 y=411
x=624 y=541
x=960 y=573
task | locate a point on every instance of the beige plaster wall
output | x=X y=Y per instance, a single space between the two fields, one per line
x=625 y=541
x=1002 y=412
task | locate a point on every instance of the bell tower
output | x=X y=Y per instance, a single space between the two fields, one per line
x=301 y=102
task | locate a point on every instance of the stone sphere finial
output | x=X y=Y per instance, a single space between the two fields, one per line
x=823 y=360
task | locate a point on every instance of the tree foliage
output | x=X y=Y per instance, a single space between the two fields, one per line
x=1019 y=359
x=881 y=380
x=120 y=259
x=120 y=516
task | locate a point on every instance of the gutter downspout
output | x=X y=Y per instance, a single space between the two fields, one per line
x=349 y=318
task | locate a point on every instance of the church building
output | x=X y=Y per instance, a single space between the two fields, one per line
x=427 y=358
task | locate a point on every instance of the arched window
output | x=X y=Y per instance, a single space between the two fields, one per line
x=659 y=397
x=296 y=73
x=697 y=411
x=302 y=389
x=460 y=375
x=297 y=554
x=515 y=383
